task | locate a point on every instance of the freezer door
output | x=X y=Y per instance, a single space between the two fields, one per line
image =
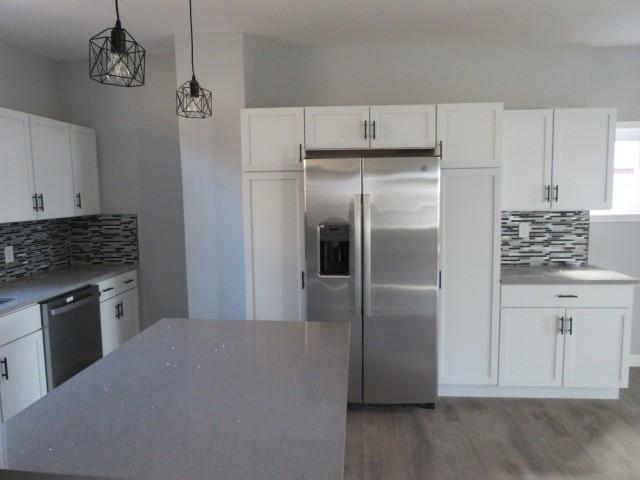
x=400 y=275
x=333 y=237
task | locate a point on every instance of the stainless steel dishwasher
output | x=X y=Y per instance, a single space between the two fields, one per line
x=72 y=338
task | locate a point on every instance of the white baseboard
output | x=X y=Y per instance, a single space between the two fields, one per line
x=527 y=392
x=634 y=361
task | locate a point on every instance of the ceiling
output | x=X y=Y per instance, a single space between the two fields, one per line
x=60 y=29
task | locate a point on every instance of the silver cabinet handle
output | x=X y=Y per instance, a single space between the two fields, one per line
x=547 y=193
x=78 y=200
x=365 y=129
x=34 y=197
x=373 y=130
x=357 y=253
x=556 y=193
x=366 y=253
x=567 y=296
x=570 y=320
x=5 y=368
x=562 y=325
x=41 y=199
x=300 y=152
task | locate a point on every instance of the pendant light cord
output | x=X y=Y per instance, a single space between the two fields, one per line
x=117 y=11
x=193 y=70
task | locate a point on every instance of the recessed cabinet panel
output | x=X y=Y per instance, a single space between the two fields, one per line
x=471 y=134
x=469 y=298
x=531 y=347
x=51 y=150
x=16 y=177
x=331 y=128
x=272 y=139
x=274 y=245
x=596 y=347
x=24 y=378
x=84 y=156
x=403 y=126
x=526 y=165
x=583 y=144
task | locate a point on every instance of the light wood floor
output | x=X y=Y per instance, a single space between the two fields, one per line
x=498 y=438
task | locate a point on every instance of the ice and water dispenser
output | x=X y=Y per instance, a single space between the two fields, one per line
x=334 y=250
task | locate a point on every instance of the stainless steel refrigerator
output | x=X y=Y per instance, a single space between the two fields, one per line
x=372 y=261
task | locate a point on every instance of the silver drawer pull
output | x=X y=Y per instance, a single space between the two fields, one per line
x=567 y=296
x=107 y=289
x=129 y=281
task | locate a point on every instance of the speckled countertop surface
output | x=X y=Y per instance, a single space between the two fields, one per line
x=558 y=275
x=197 y=399
x=32 y=290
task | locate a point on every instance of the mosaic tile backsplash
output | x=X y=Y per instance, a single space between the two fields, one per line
x=555 y=238
x=44 y=245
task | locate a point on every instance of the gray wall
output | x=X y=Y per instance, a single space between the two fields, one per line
x=140 y=173
x=211 y=174
x=27 y=81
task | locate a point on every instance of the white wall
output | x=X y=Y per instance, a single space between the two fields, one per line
x=27 y=81
x=138 y=148
x=210 y=155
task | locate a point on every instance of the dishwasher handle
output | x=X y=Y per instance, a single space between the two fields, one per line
x=70 y=306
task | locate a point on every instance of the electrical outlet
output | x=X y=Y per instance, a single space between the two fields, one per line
x=8 y=254
x=524 y=228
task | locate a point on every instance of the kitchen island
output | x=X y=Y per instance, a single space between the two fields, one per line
x=197 y=399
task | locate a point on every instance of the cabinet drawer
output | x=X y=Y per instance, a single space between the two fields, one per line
x=116 y=285
x=567 y=295
x=20 y=323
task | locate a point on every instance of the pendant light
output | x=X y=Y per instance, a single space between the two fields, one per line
x=193 y=101
x=115 y=58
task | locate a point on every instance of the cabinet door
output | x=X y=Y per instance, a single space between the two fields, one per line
x=129 y=324
x=86 y=183
x=596 y=352
x=471 y=134
x=109 y=324
x=403 y=126
x=272 y=139
x=24 y=378
x=274 y=245
x=531 y=347
x=583 y=143
x=336 y=127
x=470 y=256
x=16 y=180
x=51 y=149
x=527 y=141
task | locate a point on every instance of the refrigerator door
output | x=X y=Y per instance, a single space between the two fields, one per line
x=333 y=212
x=400 y=279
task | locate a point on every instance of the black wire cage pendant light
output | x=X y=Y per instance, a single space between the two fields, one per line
x=115 y=58
x=193 y=101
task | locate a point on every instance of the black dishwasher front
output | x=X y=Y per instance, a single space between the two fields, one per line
x=72 y=337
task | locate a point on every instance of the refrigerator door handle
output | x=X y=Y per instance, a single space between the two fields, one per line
x=366 y=253
x=357 y=253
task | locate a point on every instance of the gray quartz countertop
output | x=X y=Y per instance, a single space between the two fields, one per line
x=32 y=290
x=557 y=275
x=197 y=399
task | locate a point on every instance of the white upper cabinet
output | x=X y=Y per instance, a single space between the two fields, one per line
x=332 y=128
x=583 y=144
x=86 y=184
x=272 y=139
x=16 y=178
x=469 y=297
x=274 y=245
x=471 y=134
x=51 y=151
x=526 y=159
x=596 y=347
x=403 y=126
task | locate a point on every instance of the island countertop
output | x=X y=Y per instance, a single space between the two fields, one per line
x=562 y=275
x=197 y=399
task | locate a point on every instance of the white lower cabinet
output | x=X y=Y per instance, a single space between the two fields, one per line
x=23 y=377
x=119 y=319
x=596 y=347
x=565 y=347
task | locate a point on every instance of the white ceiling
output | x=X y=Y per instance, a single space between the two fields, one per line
x=61 y=28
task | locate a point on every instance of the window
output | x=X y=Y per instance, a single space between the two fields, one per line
x=626 y=172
